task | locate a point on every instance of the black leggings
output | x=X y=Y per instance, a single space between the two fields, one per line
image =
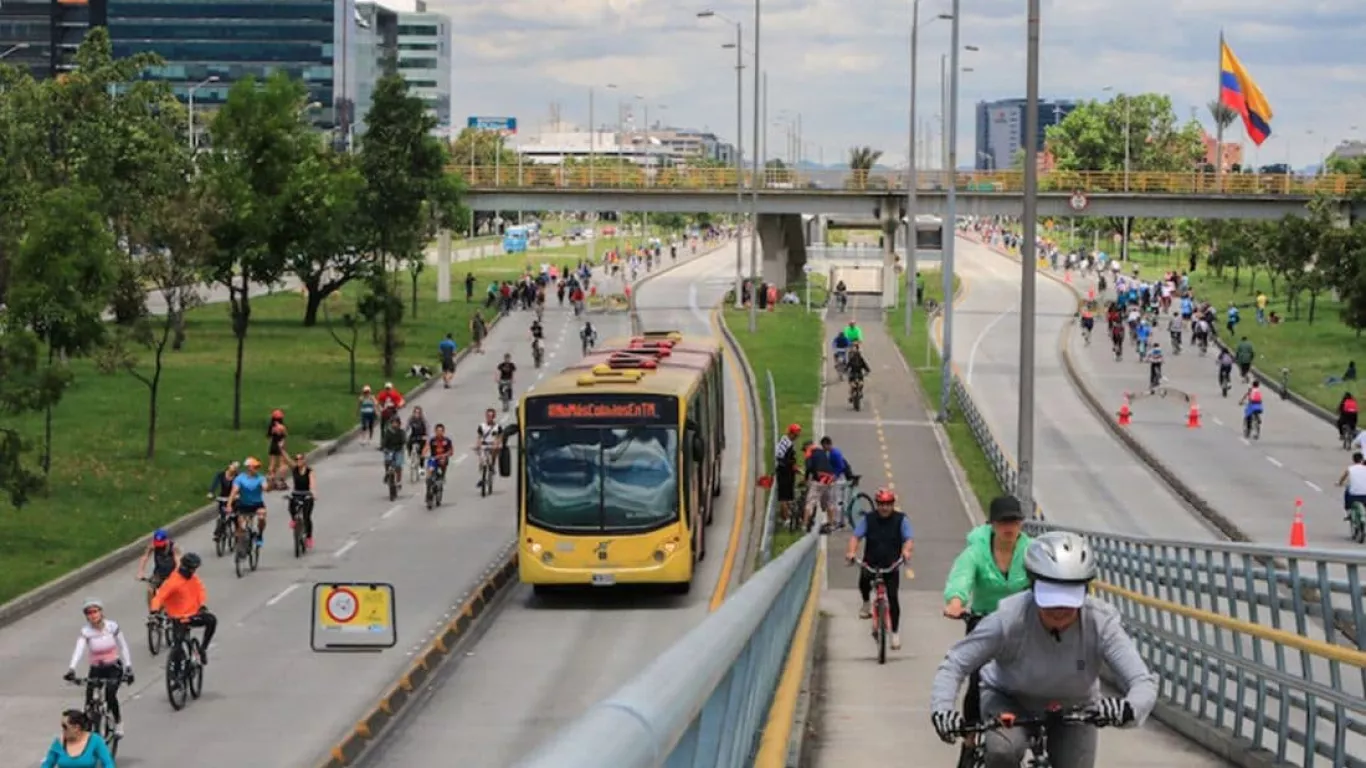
x=112 y=675
x=206 y=620
x=972 y=699
x=892 y=580
x=305 y=507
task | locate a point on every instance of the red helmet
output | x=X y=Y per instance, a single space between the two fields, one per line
x=277 y=414
x=794 y=429
x=884 y=496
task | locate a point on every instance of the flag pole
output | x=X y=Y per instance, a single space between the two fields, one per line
x=1219 y=124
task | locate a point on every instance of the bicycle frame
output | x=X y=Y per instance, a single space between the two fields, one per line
x=1036 y=728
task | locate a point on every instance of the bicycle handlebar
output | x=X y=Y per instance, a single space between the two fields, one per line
x=966 y=616
x=881 y=571
x=1079 y=716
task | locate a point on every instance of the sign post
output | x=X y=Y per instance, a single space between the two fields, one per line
x=808 y=269
x=353 y=616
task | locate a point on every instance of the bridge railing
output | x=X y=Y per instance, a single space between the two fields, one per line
x=575 y=177
x=704 y=701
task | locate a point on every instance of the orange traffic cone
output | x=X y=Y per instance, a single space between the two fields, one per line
x=1125 y=415
x=1297 y=537
x=1193 y=418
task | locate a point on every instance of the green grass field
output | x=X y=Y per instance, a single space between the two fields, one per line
x=969 y=454
x=103 y=494
x=788 y=344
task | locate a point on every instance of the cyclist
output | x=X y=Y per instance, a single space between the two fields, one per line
x=1177 y=328
x=438 y=451
x=390 y=401
x=488 y=439
x=110 y=659
x=368 y=409
x=537 y=339
x=887 y=536
x=392 y=441
x=588 y=336
x=820 y=483
x=1225 y=367
x=853 y=333
x=1155 y=366
x=785 y=470
x=1253 y=400
x=1088 y=321
x=1347 y=414
x=417 y=430
x=506 y=369
x=1117 y=338
x=990 y=569
x=1354 y=480
x=305 y=487
x=447 y=349
x=165 y=556
x=1244 y=355
x=1142 y=332
x=276 y=454
x=183 y=597
x=841 y=347
x=856 y=368
x=1044 y=646
x=1199 y=331
x=248 y=498
x=220 y=487
x=841 y=295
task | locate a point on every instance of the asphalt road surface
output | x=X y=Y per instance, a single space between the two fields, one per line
x=543 y=662
x=269 y=699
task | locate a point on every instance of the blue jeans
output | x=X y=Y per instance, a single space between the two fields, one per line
x=394 y=458
x=1348 y=500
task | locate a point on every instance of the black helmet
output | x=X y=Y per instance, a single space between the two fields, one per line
x=190 y=562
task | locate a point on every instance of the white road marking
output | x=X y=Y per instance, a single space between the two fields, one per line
x=346 y=548
x=1217 y=420
x=390 y=511
x=1273 y=461
x=282 y=594
x=1245 y=441
x=972 y=353
x=883 y=422
x=1315 y=487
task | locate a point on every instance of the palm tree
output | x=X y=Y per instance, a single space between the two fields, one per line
x=1223 y=116
x=861 y=162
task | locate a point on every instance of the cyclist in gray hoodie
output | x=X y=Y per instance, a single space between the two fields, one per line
x=1045 y=647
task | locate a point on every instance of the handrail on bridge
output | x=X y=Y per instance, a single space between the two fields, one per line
x=571 y=177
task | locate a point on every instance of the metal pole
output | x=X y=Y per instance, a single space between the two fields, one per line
x=1125 y=245
x=754 y=185
x=944 y=110
x=592 y=139
x=911 y=179
x=950 y=227
x=191 y=105
x=739 y=164
x=764 y=136
x=1024 y=479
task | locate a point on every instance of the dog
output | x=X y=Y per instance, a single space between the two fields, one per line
x=420 y=372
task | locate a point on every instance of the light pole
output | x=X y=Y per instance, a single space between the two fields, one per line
x=912 y=177
x=14 y=49
x=210 y=79
x=738 y=45
x=950 y=227
x=754 y=184
x=1024 y=478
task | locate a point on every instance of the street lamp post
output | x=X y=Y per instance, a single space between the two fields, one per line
x=210 y=79
x=738 y=45
x=14 y=49
x=754 y=184
x=1024 y=478
x=950 y=223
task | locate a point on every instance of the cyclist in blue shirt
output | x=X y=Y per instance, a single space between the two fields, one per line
x=841 y=346
x=447 y=348
x=1155 y=366
x=1141 y=332
x=248 y=497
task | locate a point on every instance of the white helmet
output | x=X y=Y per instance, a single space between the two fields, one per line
x=92 y=602
x=1061 y=556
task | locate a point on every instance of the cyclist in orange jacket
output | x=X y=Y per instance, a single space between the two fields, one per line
x=182 y=596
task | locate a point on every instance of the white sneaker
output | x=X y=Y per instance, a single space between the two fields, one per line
x=118 y=730
x=866 y=612
x=896 y=641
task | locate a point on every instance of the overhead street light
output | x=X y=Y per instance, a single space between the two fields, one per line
x=190 y=99
x=1024 y=478
x=13 y=49
x=950 y=223
x=738 y=45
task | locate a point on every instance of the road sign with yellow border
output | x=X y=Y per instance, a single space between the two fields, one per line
x=353 y=616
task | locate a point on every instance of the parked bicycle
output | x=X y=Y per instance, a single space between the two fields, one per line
x=1036 y=729
x=97 y=711
x=851 y=504
x=882 y=610
x=184 y=670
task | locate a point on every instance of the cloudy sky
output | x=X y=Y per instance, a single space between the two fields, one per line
x=844 y=64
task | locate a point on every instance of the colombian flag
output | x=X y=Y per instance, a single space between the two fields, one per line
x=1239 y=92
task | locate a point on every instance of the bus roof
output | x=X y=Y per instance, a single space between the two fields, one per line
x=628 y=358
x=660 y=381
x=674 y=340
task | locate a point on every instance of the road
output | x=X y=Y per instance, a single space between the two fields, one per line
x=544 y=661
x=263 y=674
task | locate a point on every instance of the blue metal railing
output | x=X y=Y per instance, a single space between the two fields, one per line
x=704 y=701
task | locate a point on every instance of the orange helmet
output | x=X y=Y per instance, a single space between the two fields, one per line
x=794 y=429
x=884 y=496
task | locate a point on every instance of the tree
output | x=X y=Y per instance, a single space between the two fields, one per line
x=489 y=148
x=26 y=385
x=1223 y=116
x=861 y=162
x=258 y=139
x=321 y=206
x=1092 y=137
x=403 y=167
x=62 y=275
x=351 y=323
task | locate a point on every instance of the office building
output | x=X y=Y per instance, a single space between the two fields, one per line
x=658 y=147
x=373 y=53
x=43 y=35
x=424 y=60
x=1000 y=129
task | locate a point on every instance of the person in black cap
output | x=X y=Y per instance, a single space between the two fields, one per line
x=990 y=569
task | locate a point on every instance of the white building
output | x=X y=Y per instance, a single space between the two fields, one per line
x=373 y=44
x=424 y=60
x=556 y=143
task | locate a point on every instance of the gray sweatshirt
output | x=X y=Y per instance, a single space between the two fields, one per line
x=1023 y=661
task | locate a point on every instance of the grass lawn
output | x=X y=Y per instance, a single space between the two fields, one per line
x=102 y=494
x=788 y=344
x=969 y=454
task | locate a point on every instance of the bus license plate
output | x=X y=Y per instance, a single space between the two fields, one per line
x=604 y=579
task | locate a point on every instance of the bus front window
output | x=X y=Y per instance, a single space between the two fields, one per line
x=602 y=479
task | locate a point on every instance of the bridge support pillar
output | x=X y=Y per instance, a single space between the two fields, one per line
x=891 y=225
x=783 y=247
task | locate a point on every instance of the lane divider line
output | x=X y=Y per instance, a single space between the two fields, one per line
x=282 y=594
x=743 y=492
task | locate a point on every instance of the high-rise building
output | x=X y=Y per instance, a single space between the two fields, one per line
x=1000 y=129
x=42 y=35
x=374 y=52
x=424 y=60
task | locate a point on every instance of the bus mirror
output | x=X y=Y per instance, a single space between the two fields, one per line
x=699 y=448
x=512 y=430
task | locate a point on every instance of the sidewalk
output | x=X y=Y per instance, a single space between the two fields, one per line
x=871 y=714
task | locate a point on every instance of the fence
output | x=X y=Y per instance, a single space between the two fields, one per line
x=702 y=703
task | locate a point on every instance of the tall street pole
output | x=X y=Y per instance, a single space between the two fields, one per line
x=1024 y=479
x=944 y=109
x=911 y=179
x=950 y=224
x=739 y=162
x=754 y=186
x=592 y=138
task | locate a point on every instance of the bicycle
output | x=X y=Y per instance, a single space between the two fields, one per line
x=97 y=711
x=246 y=549
x=852 y=503
x=1036 y=729
x=415 y=460
x=486 y=454
x=436 y=485
x=297 y=500
x=184 y=671
x=158 y=630
x=1356 y=518
x=505 y=394
x=1225 y=380
x=970 y=754
x=1347 y=435
x=392 y=476
x=537 y=353
x=856 y=393
x=1252 y=426
x=222 y=529
x=882 y=612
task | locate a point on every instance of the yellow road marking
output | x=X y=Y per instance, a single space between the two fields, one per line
x=742 y=492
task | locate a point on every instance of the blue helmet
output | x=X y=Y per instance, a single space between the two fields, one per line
x=161 y=537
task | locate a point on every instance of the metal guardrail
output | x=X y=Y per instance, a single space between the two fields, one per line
x=703 y=701
x=577 y=177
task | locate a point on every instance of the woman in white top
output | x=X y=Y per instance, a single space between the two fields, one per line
x=110 y=660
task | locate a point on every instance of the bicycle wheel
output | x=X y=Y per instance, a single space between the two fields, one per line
x=220 y=538
x=393 y=486
x=176 y=689
x=881 y=619
x=299 y=538
x=194 y=677
x=239 y=553
x=485 y=480
x=861 y=504
x=154 y=636
x=253 y=553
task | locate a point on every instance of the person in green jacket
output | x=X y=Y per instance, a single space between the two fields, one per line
x=990 y=569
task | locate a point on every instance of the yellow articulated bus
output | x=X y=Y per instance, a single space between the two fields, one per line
x=614 y=473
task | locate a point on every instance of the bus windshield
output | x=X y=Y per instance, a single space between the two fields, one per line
x=602 y=479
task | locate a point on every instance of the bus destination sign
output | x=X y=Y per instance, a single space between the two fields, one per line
x=602 y=409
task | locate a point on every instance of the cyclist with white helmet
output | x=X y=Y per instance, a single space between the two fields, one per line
x=1042 y=648
x=110 y=659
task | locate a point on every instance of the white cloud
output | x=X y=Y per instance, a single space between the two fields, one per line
x=845 y=66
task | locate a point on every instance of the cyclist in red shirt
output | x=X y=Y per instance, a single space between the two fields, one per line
x=390 y=401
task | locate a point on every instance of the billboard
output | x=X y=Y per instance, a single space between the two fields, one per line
x=504 y=125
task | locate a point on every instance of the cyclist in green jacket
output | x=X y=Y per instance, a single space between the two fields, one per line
x=990 y=569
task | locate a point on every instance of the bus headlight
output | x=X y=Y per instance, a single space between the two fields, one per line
x=547 y=556
x=666 y=549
